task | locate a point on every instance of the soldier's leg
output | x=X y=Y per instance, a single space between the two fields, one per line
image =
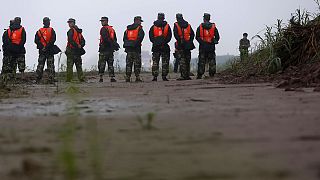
x=102 y=64
x=41 y=63
x=129 y=64
x=70 y=62
x=201 y=64
x=241 y=55
x=21 y=61
x=110 y=61
x=212 y=64
x=14 y=65
x=188 y=61
x=183 y=65
x=137 y=65
x=78 y=62
x=165 y=63
x=51 y=68
x=155 y=64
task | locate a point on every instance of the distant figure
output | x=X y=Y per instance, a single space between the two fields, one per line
x=184 y=35
x=45 y=38
x=16 y=36
x=74 y=50
x=160 y=35
x=244 y=47
x=108 y=45
x=176 y=62
x=132 y=39
x=207 y=36
x=7 y=66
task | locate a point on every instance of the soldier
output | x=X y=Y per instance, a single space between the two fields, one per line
x=160 y=35
x=176 y=62
x=132 y=39
x=207 y=36
x=7 y=65
x=184 y=35
x=244 y=46
x=75 y=50
x=16 y=36
x=108 y=45
x=45 y=38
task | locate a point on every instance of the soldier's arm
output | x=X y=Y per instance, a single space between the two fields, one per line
x=37 y=41
x=151 y=35
x=198 y=38
x=83 y=42
x=23 y=37
x=191 y=35
x=115 y=36
x=140 y=36
x=175 y=33
x=70 y=38
x=169 y=37
x=216 y=36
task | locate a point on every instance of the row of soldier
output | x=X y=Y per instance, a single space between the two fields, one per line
x=160 y=35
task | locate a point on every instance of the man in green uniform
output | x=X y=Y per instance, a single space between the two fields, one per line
x=75 y=50
x=244 y=45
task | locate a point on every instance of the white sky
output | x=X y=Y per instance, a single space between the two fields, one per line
x=233 y=17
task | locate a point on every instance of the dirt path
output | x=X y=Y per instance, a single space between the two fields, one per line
x=198 y=130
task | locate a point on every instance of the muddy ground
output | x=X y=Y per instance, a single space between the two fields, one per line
x=193 y=130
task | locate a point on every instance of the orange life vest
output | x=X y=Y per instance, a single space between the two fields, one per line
x=77 y=37
x=132 y=35
x=15 y=36
x=184 y=34
x=45 y=35
x=111 y=33
x=159 y=31
x=207 y=35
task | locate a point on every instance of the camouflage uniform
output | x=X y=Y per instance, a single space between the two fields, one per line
x=204 y=59
x=165 y=63
x=133 y=59
x=176 y=62
x=244 y=46
x=73 y=58
x=104 y=58
x=50 y=64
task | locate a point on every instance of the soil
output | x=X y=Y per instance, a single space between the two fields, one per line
x=176 y=130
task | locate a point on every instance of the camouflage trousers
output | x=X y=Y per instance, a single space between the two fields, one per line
x=73 y=59
x=10 y=64
x=133 y=60
x=244 y=54
x=204 y=59
x=106 y=58
x=50 y=65
x=165 y=63
x=176 y=64
x=184 y=58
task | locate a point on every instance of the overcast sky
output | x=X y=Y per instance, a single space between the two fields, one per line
x=233 y=17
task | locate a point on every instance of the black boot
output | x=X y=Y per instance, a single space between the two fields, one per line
x=164 y=78
x=155 y=79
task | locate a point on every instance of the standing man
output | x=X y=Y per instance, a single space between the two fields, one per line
x=108 y=45
x=16 y=36
x=207 y=36
x=132 y=39
x=75 y=50
x=160 y=35
x=45 y=38
x=7 y=65
x=184 y=35
x=244 y=45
